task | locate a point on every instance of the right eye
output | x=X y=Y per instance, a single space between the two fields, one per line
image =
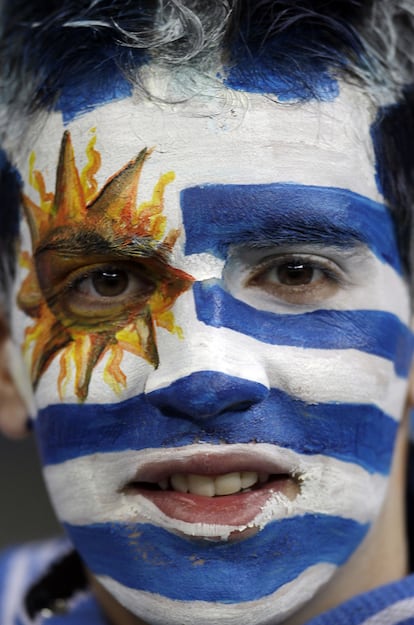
x=108 y=282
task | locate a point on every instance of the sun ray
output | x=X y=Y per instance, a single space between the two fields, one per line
x=88 y=175
x=149 y=214
x=37 y=181
x=113 y=374
x=117 y=199
x=46 y=343
x=98 y=344
x=69 y=203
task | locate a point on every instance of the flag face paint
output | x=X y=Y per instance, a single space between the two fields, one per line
x=217 y=334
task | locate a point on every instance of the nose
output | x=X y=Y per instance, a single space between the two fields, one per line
x=205 y=394
x=208 y=371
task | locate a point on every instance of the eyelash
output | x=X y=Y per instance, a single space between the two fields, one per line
x=316 y=289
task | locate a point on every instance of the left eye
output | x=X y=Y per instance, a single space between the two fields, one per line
x=295 y=273
x=297 y=279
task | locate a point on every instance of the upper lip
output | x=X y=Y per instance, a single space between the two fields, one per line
x=217 y=462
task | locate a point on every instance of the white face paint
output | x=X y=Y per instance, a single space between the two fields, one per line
x=215 y=339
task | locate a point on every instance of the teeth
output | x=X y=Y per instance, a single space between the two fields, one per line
x=226 y=484
x=201 y=485
x=249 y=478
x=179 y=482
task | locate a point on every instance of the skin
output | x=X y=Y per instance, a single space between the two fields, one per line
x=324 y=144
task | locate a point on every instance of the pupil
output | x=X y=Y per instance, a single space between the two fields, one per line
x=295 y=274
x=110 y=283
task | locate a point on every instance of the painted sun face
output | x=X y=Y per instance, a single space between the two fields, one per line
x=79 y=313
x=215 y=322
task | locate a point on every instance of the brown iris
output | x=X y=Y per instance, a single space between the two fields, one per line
x=295 y=273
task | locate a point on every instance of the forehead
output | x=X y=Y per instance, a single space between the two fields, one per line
x=250 y=139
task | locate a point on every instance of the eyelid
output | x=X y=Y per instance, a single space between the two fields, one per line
x=286 y=256
x=252 y=254
x=325 y=265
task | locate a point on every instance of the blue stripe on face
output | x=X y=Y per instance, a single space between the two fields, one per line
x=350 y=432
x=149 y=558
x=216 y=216
x=371 y=331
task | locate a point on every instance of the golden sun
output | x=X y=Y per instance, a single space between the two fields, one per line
x=78 y=231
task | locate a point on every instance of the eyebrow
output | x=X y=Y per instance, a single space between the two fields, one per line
x=219 y=215
x=85 y=242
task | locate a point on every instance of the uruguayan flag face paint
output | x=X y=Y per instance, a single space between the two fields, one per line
x=215 y=320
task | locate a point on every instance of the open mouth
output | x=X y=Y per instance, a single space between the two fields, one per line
x=213 y=489
x=210 y=485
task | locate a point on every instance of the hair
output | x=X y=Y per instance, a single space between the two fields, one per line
x=51 y=48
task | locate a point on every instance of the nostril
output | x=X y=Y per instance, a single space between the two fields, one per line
x=206 y=394
x=239 y=406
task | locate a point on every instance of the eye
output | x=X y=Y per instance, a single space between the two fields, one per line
x=103 y=293
x=297 y=279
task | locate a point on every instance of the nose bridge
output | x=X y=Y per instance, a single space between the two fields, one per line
x=204 y=369
x=196 y=346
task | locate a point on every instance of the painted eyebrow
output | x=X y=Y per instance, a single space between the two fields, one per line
x=217 y=216
x=276 y=233
x=89 y=243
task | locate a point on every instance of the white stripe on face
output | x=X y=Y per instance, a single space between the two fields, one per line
x=288 y=599
x=327 y=486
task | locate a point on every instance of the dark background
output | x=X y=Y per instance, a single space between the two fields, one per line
x=25 y=513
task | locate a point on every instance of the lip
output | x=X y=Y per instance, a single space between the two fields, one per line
x=236 y=510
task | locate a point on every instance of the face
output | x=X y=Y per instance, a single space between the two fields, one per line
x=215 y=322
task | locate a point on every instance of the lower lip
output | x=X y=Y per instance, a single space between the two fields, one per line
x=236 y=510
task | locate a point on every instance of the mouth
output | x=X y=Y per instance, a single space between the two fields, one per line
x=213 y=489
x=210 y=486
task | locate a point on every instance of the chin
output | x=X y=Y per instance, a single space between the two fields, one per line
x=156 y=609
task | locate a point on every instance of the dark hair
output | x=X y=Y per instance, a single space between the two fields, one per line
x=51 y=48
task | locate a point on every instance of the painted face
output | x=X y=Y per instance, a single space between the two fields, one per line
x=214 y=318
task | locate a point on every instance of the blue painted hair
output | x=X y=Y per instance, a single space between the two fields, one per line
x=51 y=48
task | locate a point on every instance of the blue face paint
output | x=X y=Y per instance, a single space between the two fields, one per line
x=371 y=331
x=230 y=573
x=217 y=216
x=356 y=433
x=264 y=387
x=213 y=408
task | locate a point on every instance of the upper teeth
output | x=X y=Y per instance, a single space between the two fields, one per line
x=209 y=486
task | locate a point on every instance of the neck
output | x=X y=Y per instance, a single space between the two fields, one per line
x=382 y=557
